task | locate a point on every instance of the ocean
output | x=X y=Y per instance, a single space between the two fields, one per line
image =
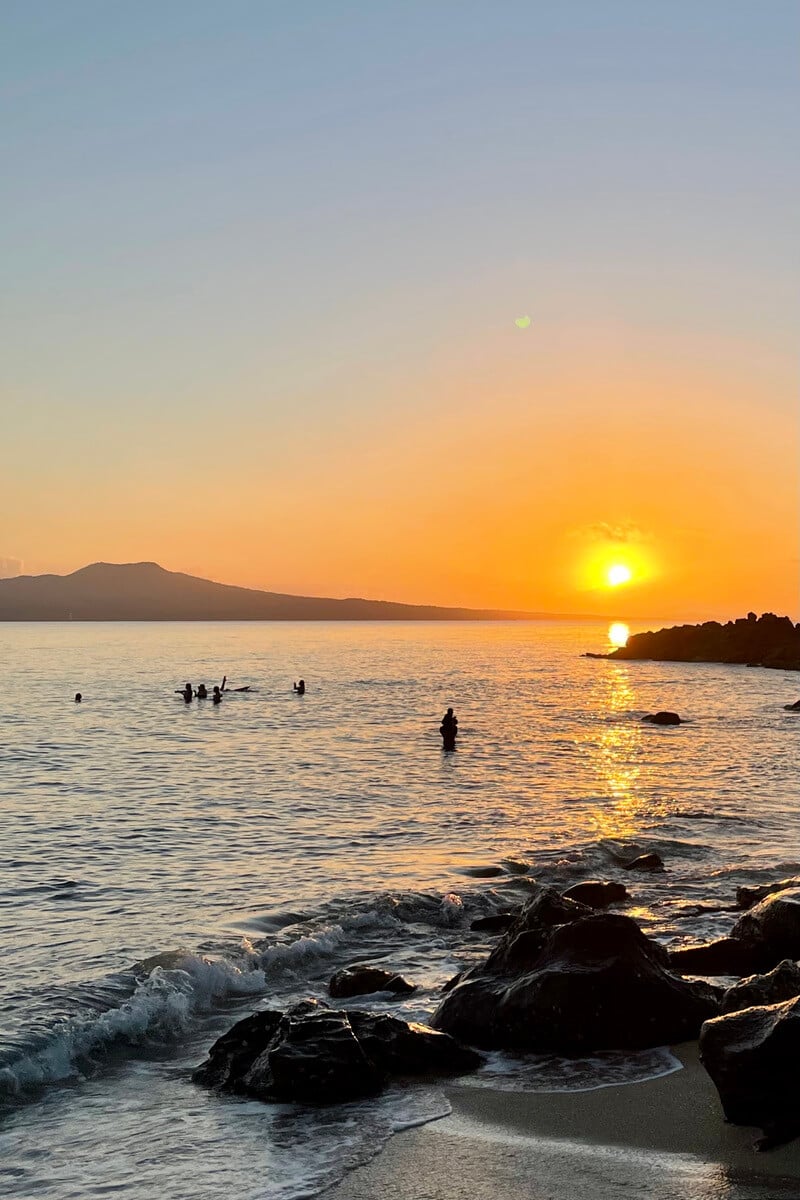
x=167 y=868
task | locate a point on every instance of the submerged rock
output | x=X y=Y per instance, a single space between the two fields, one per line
x=663 y=718
x=596 y=893
x=645 y=862
x=496 y=923
x=747 y=896
x=752 y=1059
x=793 y=707
x=781 y=983
x=314 y=1054
x=725 y=956
x=361 y=979
x=597 y=983
x=772 y=927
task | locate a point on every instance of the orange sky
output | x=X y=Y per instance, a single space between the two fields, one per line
x=261 y=309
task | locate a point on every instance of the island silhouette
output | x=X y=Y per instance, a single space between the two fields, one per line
x=147 y=592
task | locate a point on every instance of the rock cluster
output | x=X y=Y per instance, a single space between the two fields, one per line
x=314 y=1054
x=766 y=641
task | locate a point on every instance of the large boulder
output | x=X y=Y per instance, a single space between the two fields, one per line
x=772 y=927
x=598 y=983
x=597 y=894
x=752 y=1058
x=781 y=983
x=726 y=956
x=361 y=979
x=317 y=1055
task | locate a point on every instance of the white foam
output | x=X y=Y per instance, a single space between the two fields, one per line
x=160 y=1009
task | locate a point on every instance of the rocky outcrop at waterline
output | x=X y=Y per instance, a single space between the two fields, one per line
x=316 y=1055
x=362 y=979
x=766 y=641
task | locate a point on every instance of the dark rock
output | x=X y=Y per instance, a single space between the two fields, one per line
x=752 y=1059
x=746 y=896
x=231 y=1055
x=772 y=927
x=645 y=862
x=361 y=979
x=781 y=983
x=519 y=947
x=597 y=984
x=400 y=1048
x=596 y=894
x=314 y=1054
x=663 y=718
x=316 y=1059
x=769 y=641
x=495 y=923
x=793 y=707
x=726 y=956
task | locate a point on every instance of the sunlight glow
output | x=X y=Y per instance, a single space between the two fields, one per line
x=618 y=633
x=618 y=574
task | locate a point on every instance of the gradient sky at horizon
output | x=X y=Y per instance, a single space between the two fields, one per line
x=262 y=265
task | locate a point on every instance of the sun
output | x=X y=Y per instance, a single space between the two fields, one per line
x=618 y=634
x=618 y=574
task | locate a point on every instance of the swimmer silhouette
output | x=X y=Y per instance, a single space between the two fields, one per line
x=78 y=697
x=202 y=693
x=449 y=730
x=300 y=687
x=187 y=693
x=217 y=696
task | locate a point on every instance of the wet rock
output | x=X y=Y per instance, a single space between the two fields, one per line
x=726 y=956
x=232 y=1054
x=314 y=1054
x=361 y=979
x=496 y=923
x=793 y=707
x=597 y=983
x=523 y=940
x=781 y=983
x=645 y=862
x=772 y=927
x=752 y=1058
x=408 y=1048
x=596 y=893
x=663 y=718
x=315 y=1059
x=747 y=896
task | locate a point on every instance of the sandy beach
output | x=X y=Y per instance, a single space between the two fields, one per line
x=664 y=1138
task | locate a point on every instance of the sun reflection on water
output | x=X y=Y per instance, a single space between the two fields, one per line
x=613 y=748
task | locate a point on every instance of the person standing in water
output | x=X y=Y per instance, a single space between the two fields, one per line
x=78 y=697
x=300 y=687
x=449 y=730
x=217 y=695
x=187 y=693
x=202 y=692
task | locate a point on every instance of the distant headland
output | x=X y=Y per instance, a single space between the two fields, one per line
x=766 y=641
x=147 y=592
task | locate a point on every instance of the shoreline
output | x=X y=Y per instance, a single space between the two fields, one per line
x=499 y=1145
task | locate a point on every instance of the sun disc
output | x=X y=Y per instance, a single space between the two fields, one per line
x=618 y=574
x=618 y=633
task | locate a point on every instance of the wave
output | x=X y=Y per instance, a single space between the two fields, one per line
x=159 y=1010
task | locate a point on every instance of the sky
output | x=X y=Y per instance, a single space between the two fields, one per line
x=266 y=274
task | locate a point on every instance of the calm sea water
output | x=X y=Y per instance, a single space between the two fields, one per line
x=168 y=867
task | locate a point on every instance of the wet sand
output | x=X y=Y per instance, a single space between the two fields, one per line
x=664 y=1139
